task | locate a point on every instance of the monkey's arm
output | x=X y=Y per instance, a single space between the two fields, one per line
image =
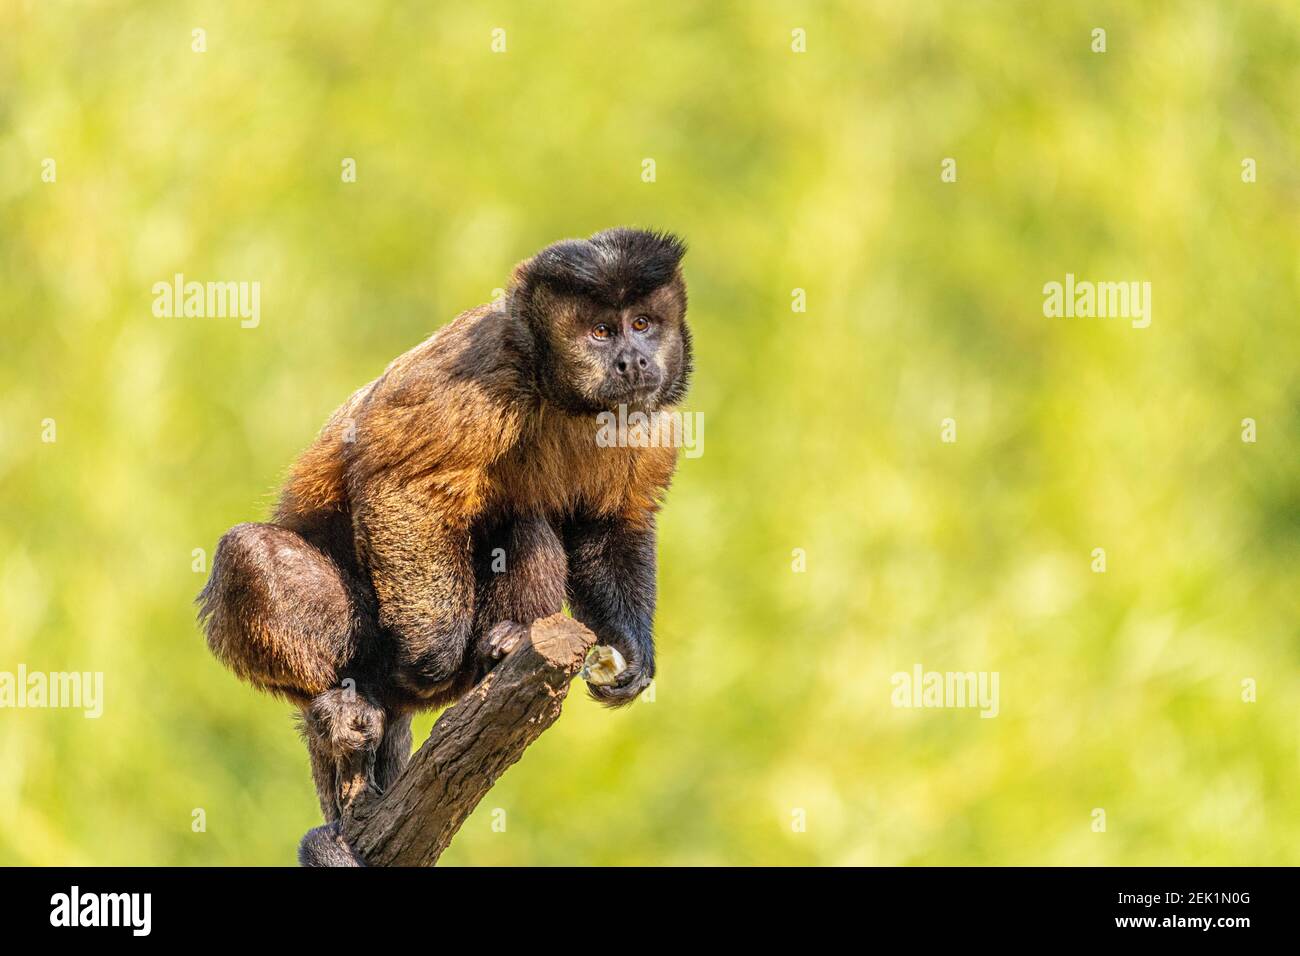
x=612 y=591
x=416 y=479
x=419 y=561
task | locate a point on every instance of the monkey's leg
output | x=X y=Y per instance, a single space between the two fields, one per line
x=520 y=569
x=344 y=731
x=278 y=612
x=356 y=749
x=394 y=750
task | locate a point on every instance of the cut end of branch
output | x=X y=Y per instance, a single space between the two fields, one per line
x=561 y=641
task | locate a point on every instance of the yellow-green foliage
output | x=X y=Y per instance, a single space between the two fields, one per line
x=818 y=171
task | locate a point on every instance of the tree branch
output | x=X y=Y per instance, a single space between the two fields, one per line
x=472 y=744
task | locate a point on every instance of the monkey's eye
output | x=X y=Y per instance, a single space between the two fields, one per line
x=640 y=323
x=600 y=332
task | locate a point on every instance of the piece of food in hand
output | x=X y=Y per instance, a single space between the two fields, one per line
x=603 y=665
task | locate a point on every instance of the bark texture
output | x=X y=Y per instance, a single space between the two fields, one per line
x=472 y=744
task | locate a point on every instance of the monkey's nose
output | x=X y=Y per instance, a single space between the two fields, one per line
x=626 y=364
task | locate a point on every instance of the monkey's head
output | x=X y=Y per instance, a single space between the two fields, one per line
x=608 y=319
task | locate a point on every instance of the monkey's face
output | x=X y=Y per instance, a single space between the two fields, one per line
x=637 y=355
x=608 y=317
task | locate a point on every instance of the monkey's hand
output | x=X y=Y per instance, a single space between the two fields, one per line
x=612 y=591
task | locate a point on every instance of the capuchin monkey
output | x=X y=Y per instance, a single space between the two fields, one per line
x=454 y=500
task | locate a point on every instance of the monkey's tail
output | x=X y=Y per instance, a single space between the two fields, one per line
x=325 y=846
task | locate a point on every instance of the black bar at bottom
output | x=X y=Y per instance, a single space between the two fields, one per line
x=308 y=906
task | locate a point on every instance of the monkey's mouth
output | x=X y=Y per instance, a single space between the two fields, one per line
x=642 y=393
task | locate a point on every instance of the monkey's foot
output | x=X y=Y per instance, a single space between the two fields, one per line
x=325 y=846
x=348 y=729
x=345 y=722
x=504 y=637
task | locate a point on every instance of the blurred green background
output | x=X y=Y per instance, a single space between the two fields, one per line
x=817 y=171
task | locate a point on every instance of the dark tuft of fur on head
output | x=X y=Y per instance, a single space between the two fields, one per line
x=615 y=267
